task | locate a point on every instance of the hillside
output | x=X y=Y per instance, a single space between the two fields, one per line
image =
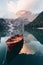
x=38 y=22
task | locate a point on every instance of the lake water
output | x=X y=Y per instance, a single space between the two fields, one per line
x=33 y=37
x=33 y=44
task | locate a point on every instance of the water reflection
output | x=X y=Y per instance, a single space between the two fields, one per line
x=34 y=39
x=37 y=33
x=3 y=50
x=8 y=28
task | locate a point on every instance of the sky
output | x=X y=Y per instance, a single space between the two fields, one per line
x=8 y=8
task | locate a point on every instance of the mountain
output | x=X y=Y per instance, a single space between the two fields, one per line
x=20 y=12
x=8 y=25
x=38 y=22
x=3 y=27
x=32 y=27
x=26 y=15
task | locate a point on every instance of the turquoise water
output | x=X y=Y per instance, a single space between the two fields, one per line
x=31 y=38
x=3 y=50
x=34 y=39
x=37 y=33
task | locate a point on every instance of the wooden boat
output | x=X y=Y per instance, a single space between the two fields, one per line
x=14 y=45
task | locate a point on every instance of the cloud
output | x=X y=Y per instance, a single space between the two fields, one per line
x=32 y=5
x=1 y=13
x=24 y=4
x=37 y=6
x=19 y=5
x=13 y=6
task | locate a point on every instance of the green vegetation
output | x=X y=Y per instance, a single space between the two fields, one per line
x=38 y=22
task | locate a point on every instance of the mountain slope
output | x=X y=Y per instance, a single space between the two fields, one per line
x=38 y=22
x=32 y=28
x=26 y=15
